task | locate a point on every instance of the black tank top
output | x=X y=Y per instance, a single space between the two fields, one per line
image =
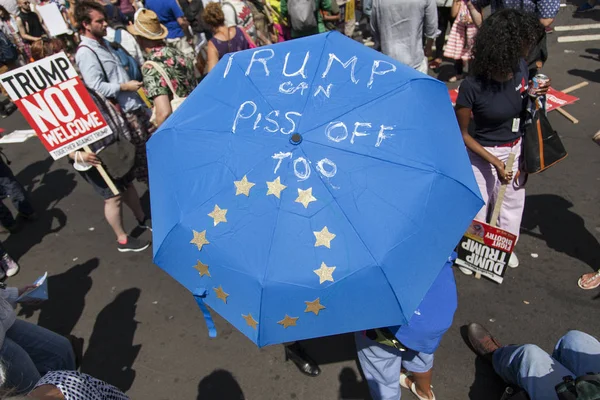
x=32 y=24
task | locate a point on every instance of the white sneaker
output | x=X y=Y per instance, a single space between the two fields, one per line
x=513 y=261
x=465 y=271
x=9 y=266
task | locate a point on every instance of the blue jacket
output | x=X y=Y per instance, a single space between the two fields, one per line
x=434 y=315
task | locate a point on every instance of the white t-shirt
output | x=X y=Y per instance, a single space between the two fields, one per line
x=237 y=13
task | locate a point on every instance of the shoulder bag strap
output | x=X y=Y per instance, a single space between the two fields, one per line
x=99 y=62
x=226 y=3
x=162 y=73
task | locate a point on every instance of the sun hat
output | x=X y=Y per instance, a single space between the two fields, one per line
x=146 y=24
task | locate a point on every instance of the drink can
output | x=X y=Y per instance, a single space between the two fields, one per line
x=537 y=81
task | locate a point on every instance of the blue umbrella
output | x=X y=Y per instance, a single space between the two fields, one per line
x=310 y=188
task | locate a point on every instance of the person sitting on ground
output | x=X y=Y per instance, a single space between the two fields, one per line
x=29 y=351
x=165 y=69
x=31 y=25
x=531 y=368
x=403 y=355
x=225 y=39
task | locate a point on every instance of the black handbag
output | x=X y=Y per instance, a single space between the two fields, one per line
x=542 y=147
x=118 y=158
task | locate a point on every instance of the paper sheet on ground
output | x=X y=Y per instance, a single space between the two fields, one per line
x=40 y=292
x=18 y=136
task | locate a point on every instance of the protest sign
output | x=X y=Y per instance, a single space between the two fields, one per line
x=55 y=102
x=486 y=250
x=53 y=19
x=554 y=98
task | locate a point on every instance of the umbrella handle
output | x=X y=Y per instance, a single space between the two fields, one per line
x=210 y=324
x=502 y=191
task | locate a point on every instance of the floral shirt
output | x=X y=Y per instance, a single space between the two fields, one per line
x=179 y=69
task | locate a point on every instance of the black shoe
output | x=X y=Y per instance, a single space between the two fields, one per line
x=482 y=341
x=304 y=363
x=133 y=244
x=146 y=223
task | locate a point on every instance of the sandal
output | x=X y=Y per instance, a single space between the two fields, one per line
x=412 y=388
x=595 y=277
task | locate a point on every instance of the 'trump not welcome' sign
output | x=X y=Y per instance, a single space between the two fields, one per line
x=55 y=102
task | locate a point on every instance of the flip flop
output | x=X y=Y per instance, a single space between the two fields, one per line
x=412 y=388
x=594 y=277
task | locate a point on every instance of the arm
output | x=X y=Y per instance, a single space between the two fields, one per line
x=43 y=24
x=476 y=14
x=162 y=105
x=213 y=56
x=183 y=23
x=22 y=32
x=94 y=77
x=430 y=29
x=89 y=158
x=455 y=8
x=463 y=115
x=10 y=294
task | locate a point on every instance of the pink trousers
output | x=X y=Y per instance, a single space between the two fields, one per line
x=511 y=212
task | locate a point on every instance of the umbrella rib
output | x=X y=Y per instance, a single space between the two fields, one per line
x=316 y=73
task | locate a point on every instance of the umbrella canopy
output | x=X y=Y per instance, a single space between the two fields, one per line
x=310 y=188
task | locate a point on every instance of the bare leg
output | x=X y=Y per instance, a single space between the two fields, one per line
x=422 y=382
x=113 y=211
x=132 y=199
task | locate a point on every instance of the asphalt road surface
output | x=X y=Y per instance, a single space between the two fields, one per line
x=145 y=334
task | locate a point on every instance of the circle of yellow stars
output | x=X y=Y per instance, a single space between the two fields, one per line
x=322 y=238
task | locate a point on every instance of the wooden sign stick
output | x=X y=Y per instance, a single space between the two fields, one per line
x=568 y=90
x=500 y=199
x=102 y=171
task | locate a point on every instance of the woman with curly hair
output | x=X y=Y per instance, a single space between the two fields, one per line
x=496 y=95
x=225 y=39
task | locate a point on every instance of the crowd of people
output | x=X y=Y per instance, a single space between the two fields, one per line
x=141 y=59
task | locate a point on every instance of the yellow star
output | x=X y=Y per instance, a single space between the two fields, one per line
x=218 y=215
x=288 y=321
x=314 y=306
x=202 y=268
x=324 y=238
x=275 y=188
x=221 y=294
x=305 y=197
x=325 y=273
x=243 y=186
x=199 y=239
x=250 y=321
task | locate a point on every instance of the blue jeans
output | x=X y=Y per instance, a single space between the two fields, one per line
x=534 y=370
x=30 y=351
x=381 y=365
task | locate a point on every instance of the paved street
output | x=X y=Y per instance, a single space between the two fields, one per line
x=145 y=334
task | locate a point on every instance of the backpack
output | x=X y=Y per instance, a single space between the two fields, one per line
x=8 y=51
x=585 y=387
x=302 y=15
x=126 y=60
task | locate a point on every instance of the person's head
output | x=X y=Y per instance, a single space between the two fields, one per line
x=213 y=15
x=91 y=19
x=4 y=15
x=24 y=5
x=147 y=29
x=503 y=39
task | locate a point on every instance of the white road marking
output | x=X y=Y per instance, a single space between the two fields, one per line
x=580 y=38
x=576 y=27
